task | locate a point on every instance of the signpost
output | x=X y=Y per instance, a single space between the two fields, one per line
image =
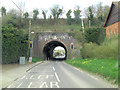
x=30 y=42
x=30 y=59
x=30 y=47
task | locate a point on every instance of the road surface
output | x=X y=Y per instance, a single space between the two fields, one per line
x=58 y=74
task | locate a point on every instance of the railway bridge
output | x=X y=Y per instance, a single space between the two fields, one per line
x=45 y=43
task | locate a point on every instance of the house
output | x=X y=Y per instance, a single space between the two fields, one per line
x=112 y=22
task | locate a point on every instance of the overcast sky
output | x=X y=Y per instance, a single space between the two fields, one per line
x=29 y=5
x=59 y=48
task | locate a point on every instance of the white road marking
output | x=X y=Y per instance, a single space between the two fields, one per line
x=57 y=77
x=75 y=68
x=19 y=85
x=39 y=76
x=78 y=69
x=47 y=76
x=9 y=86
x=31 y=76
x=44 y=84
x=23 y=77
x=93 y=77
x=29 y=85
x=53 y=68
x=84 y=72
x=52 y=84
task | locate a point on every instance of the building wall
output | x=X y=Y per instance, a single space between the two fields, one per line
x=113 y=29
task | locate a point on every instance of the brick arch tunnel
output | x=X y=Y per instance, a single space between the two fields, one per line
x=48 y=50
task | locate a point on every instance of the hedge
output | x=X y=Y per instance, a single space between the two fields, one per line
x=14 y=44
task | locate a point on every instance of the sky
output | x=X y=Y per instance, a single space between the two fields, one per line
x=29 y=5
x=59 y=48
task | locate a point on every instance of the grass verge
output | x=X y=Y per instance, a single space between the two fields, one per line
x=36 y=59
x=107 y=69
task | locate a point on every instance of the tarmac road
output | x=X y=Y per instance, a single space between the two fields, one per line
x=58 y=74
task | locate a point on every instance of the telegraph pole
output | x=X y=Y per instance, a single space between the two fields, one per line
x=30 y=42
x=29 y=29
x=30 y=47
x=89 y=23
x=82 y=25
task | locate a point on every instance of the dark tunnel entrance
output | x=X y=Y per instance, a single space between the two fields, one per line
x=49 y=49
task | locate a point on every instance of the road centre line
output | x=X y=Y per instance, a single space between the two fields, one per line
x=29 y=85
x=53 y=68
x=57 y=77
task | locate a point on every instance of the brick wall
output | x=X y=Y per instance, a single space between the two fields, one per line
x=113 y=29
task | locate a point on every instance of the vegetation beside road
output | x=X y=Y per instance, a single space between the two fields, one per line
x=14 y=44
x=100 y=59
x=106 y=68
x=106 y=50
x=36 y=59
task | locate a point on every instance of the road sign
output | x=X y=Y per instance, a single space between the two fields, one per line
x=30 y=59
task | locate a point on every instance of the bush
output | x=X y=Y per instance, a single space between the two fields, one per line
x=14 y=44
x=88 y=50
x=78 y=35
x=95 y=35
x=107 y=50
x=36 y=59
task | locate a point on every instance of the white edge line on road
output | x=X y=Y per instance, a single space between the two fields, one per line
x=53 y=68
x=29 y=85
x=75 y=68
x=57 y=77
x=19 y=85
x=84 y=72
x=93 y=77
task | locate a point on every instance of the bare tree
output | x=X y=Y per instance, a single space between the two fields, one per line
x=105 y=11
x=56 y=11
x=87 y=11
x=99 y=9
x=44 y=14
